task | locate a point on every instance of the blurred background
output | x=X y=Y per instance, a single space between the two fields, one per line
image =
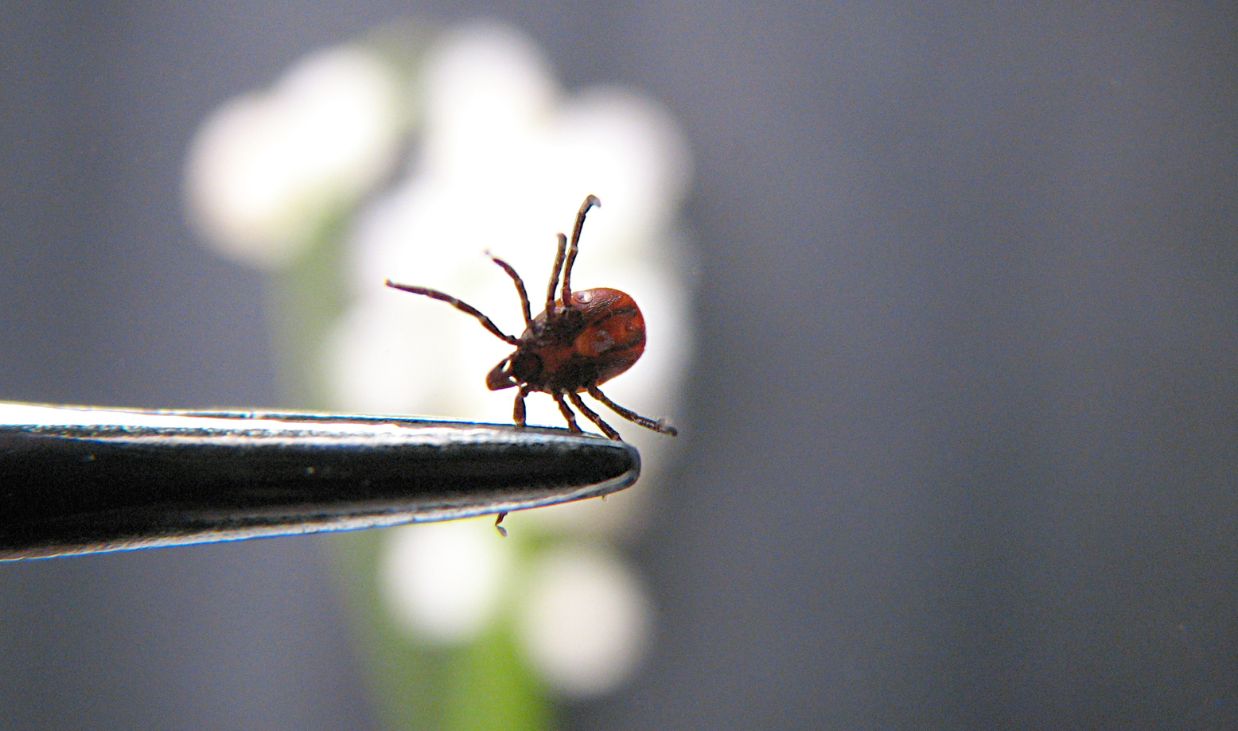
x=954 y=303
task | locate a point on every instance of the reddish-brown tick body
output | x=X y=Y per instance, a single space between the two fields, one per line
x=579 y=342
x=598 y=337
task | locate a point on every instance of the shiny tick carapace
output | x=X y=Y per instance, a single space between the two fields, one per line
x=580 y=341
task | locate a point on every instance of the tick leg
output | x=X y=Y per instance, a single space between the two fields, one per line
x=459 y=304
x=592 y=416
x=632 y=416
x=520 y=290
x=567 y=413
x=554 y=278
x=518 y=408
x=573 y=247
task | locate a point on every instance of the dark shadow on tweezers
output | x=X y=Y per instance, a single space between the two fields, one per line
x=77 y=480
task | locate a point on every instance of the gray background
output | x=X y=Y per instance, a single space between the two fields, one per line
x=962 y=443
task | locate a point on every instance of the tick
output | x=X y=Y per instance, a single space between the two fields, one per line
x=582 y=340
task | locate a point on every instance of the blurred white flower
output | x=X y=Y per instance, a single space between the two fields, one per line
x=488 y=91
x=443 y=581
x=266 y=167
x=585 y=622
x=502 y=160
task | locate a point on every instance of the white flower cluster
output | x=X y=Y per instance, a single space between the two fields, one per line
x=501 y=162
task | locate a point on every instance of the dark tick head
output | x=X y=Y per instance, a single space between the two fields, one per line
x=521 y=367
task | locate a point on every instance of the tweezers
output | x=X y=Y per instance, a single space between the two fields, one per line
x=82 y=479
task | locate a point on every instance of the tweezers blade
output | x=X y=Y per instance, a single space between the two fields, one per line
x=79 y=479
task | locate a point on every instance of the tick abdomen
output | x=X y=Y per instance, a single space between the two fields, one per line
x=600 y=336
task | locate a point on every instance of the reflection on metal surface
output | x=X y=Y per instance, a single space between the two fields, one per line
x=85 y=480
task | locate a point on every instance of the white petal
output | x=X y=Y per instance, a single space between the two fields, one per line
x=265 y=169
x=488 y=87
x=628 y=150
x=340 y=107
x=443 y=581
x=586 y=621
x=239 y=183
